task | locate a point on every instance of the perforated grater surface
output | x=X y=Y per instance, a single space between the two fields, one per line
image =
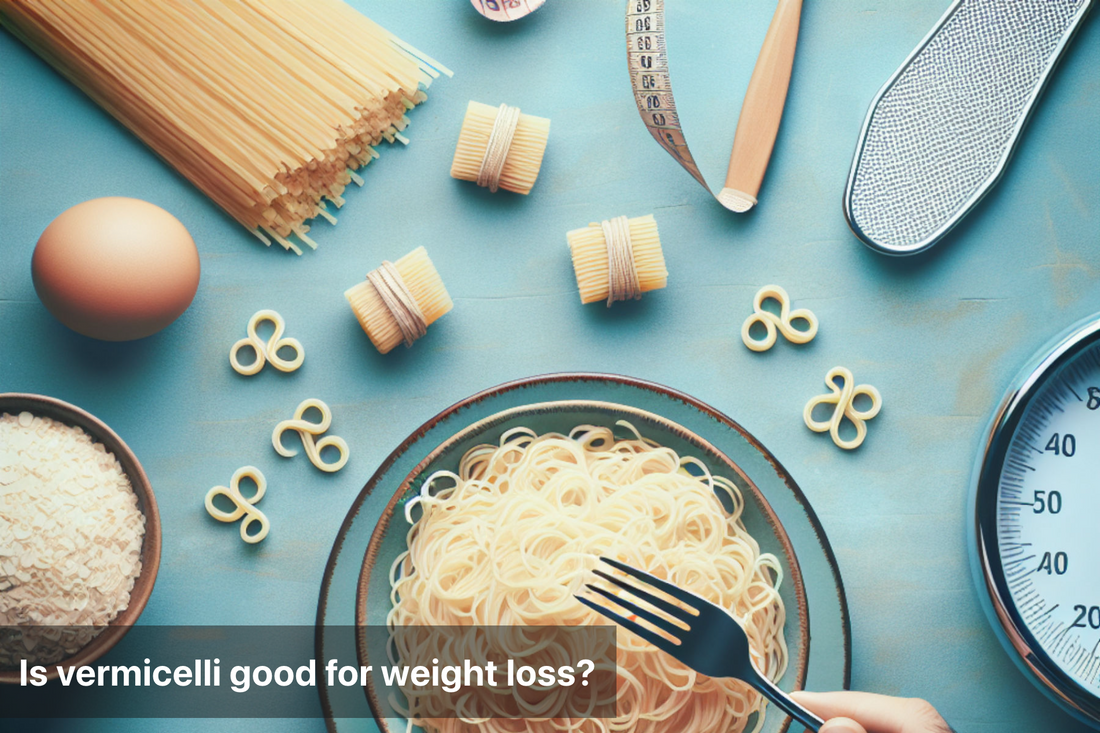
x=941 y=130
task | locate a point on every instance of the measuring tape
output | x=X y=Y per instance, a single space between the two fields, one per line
x=647 y=58
x=503 y=11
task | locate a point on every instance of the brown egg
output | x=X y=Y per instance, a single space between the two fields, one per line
x=116 y=268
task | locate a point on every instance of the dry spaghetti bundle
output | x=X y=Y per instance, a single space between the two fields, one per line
x=500 y=147
x=267 y=106
x=399 y=300
x=618 y=259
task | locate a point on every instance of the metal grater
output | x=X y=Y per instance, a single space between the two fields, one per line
x=940 y=132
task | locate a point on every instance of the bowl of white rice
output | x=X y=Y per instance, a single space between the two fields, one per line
x=79 y=535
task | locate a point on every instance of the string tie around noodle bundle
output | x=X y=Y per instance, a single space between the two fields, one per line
x=622 y=273
x=399 y=301
x=496 y=152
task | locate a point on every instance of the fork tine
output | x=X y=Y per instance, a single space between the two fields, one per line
x=658 y=621
x=678 y=593
x=678 y=613
x=655 y=639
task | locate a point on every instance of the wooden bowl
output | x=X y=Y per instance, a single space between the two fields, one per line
x=63 y=412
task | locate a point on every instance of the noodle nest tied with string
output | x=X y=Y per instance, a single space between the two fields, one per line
x=514 y=534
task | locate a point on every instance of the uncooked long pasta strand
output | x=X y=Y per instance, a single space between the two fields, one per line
x=267 y=106
x=182 y=161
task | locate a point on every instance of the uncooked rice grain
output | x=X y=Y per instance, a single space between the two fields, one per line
x=71 y=533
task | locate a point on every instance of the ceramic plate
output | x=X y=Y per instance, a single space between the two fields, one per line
x=781 y=518
x=389 y=538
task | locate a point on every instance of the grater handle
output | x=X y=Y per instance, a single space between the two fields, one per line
x=762 y=109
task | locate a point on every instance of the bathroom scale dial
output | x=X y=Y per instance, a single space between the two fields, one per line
x=1035 y=530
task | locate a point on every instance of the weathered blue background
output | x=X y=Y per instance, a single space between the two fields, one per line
x=939 y=334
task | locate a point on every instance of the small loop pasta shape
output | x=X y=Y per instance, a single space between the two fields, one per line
x=242 y=507
x=774 y=324
x=308 y=431
x=269 y=351
x=843 y=396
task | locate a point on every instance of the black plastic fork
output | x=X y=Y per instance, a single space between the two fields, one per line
x=708 y=639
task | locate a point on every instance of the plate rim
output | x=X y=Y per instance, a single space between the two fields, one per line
x=369 y=564
x=565 y=377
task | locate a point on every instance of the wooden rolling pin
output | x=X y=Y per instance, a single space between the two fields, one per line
x=762 y=110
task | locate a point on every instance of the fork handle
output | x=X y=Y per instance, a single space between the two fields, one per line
x=783 y=701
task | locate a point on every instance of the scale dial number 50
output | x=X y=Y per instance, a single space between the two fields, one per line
x=1047 y=502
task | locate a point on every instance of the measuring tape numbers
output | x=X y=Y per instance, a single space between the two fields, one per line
x=647 y=58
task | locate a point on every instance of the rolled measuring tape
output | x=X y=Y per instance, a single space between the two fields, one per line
x=504 y=11
x=647 y=59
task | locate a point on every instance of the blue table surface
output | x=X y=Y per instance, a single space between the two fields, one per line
x=940 y=334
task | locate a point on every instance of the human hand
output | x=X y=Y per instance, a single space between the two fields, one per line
x=874 y=713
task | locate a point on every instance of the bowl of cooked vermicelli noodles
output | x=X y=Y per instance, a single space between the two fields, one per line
x=503 y=523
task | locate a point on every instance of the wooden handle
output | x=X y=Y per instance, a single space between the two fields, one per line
x=763 y=106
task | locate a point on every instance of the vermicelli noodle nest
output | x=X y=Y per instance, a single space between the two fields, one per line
x=514 y=534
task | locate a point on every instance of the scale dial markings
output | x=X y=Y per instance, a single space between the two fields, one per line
x=1039 y=520
x=1049 y=519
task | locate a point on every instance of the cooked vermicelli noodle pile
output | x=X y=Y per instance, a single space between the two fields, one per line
x=510 y=538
